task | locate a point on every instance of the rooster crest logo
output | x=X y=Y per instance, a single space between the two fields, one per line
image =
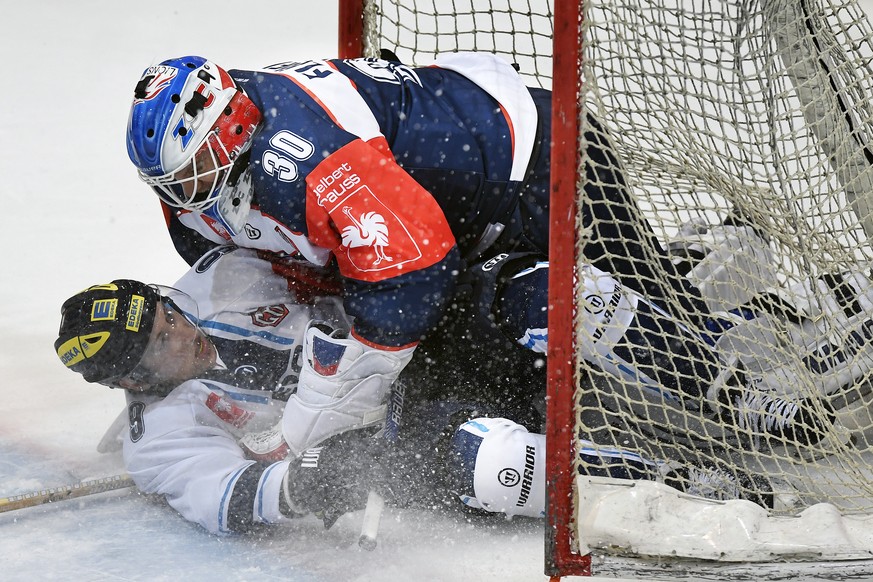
x=369 y=231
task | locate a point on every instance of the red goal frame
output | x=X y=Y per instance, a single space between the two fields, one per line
x=561 y=556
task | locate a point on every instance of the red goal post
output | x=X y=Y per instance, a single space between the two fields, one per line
x=562 y=556
x=351 y=29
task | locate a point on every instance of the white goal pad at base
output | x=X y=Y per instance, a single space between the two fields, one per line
x=648 y=519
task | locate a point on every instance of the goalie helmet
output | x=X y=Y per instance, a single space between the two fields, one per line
x=189 y=123
x=105 y=329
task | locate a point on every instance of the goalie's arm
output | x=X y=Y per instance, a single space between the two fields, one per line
x=398 y=312
x=346 y=378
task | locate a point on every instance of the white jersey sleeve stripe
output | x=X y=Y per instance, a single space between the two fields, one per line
x=502 y=82
x=336 y=94
x=267 y=491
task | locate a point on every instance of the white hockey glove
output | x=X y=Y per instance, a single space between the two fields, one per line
x=732 y=264
x=344 y=385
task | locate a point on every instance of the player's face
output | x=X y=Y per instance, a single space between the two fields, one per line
x=177 y=350
x=199 y=177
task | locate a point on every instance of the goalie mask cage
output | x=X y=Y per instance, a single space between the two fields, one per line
x=740 y=130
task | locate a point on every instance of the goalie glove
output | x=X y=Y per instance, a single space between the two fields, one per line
x=344 y=385
x=729 y=263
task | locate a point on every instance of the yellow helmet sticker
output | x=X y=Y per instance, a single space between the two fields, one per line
x=134 y=314
x=76 y=349
x=92 y=342
x=104 y=310
x=70 y=352
x=105 y=287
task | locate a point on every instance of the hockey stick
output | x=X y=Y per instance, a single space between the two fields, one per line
x=111 y=440
x=816 y=66
x=372 y=516
x=375 y=502
x=64 y=492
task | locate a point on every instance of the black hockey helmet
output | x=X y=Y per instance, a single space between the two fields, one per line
x=105 y=329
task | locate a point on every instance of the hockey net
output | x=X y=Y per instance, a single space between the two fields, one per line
x=751 y=114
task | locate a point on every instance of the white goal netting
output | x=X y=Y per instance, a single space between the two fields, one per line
x=741 y=131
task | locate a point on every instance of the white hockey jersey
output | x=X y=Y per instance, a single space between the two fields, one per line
x=184 y=445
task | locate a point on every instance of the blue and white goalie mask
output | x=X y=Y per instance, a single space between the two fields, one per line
x=189 y=124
